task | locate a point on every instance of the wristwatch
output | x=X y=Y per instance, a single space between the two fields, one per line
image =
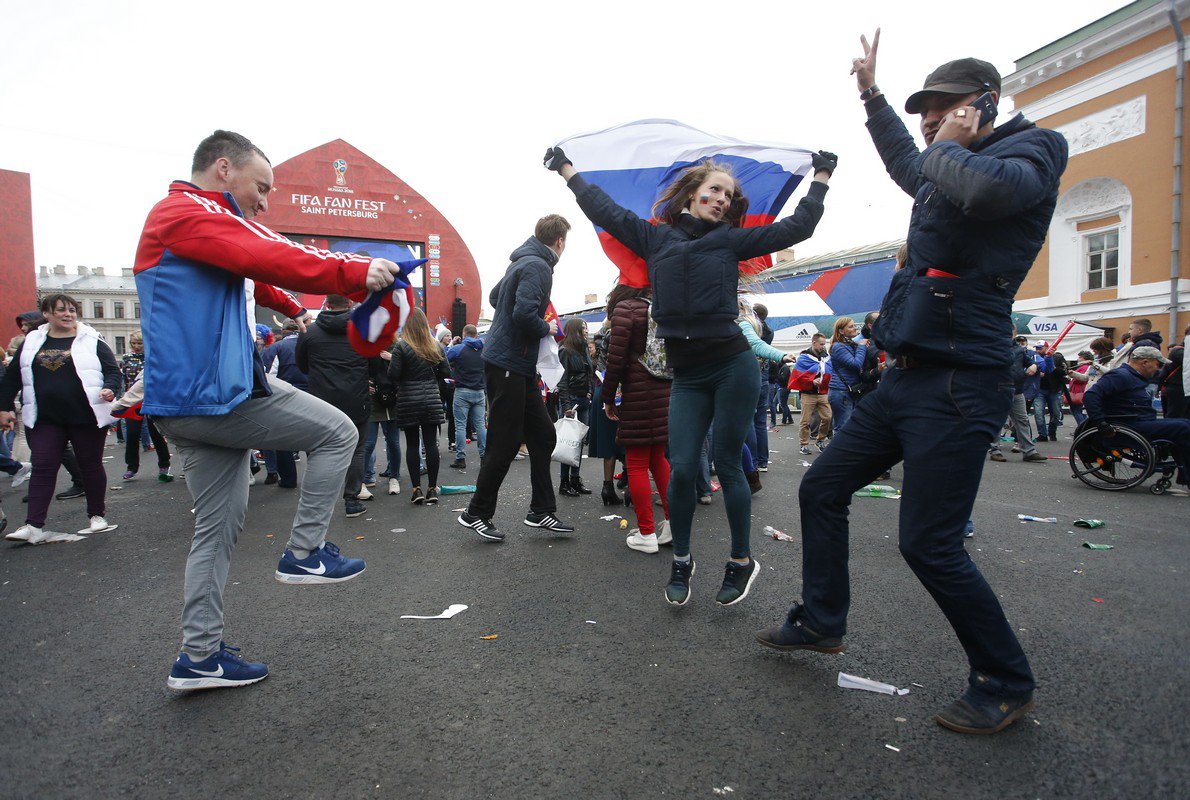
x=869 y=93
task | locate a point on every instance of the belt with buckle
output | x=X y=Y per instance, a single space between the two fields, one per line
x=909 y=362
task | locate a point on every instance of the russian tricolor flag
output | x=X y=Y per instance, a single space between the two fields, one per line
x=374 y=321
x=635 y=161
x=806 y=369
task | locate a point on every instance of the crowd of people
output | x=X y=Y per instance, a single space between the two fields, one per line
x=682 y=381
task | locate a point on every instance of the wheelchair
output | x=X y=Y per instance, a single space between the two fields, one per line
x=1120 y=462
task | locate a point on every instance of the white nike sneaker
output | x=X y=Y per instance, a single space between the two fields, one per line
x=23 y=533
x=394 y=486
x=645 y=544
x=22 y=474
x=364 y=494
x=98 y=525
x=663 y=534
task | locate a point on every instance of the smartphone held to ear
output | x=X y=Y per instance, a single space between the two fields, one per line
x=985 y=104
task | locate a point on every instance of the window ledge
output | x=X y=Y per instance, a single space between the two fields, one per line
x=1096 y=295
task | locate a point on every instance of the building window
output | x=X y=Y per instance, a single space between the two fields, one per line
x=120 y=345
x=135 y=310
x=118 y=309
x=97 y=309
x=1102 y=259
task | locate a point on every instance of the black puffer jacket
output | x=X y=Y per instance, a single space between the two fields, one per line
x=520 y=300
x=694 y=265
x=980 y=216
x=418 y=398
x=336 y=373
x=576 y=377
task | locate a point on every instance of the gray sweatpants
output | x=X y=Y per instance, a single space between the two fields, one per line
x=1020 y=427
x=214 y=452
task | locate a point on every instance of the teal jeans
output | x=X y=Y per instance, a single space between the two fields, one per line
x=723 y=392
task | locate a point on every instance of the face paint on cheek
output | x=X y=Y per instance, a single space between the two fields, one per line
x=704 y=199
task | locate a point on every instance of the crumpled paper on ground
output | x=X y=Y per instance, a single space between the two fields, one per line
x=854 y=682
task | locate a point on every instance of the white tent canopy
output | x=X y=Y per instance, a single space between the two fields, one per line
x=794 y=336
x=1047 y=329
x=792 y=304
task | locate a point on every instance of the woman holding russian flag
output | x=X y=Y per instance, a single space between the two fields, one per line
x=693 y=256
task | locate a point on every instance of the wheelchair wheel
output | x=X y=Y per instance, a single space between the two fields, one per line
x=1160 y=486
x=1112 y=463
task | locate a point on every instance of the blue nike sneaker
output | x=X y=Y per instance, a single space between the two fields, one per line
x=222 y=670
x=325 y=565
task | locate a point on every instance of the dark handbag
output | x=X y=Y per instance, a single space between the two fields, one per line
x=386 y=395
x=856 y=391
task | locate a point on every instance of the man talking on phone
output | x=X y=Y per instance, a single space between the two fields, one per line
x=983 y=198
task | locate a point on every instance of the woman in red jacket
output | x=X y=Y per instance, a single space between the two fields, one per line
x=635 y=366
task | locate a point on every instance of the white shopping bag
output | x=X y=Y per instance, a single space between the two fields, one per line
x=549 y=366
x=570 y=433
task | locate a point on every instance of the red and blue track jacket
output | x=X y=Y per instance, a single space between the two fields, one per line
x=195 y=256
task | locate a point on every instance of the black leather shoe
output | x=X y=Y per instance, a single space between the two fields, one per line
x=566 y=490
x=577 y=484
x=976 y=713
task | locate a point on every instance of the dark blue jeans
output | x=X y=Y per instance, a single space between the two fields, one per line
x=392 y=449
x=939 y=422
x=1051 y=402
x=723 y=392
x=758 y=437
x=842 y=406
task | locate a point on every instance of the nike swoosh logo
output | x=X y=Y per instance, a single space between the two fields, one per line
x=217 y=673
x=321 y=569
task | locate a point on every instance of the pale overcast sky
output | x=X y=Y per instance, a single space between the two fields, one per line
x=104 y=102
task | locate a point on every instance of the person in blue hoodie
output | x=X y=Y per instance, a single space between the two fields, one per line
x=470 y=403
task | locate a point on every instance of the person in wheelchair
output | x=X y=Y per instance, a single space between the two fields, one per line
x=1120 y=395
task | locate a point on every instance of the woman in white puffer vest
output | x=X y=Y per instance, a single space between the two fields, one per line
x=67 y=378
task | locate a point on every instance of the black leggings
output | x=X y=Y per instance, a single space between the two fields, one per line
x=413 y=436
x=132 y=445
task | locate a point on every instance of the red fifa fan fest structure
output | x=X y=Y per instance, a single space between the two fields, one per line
x=338 y=198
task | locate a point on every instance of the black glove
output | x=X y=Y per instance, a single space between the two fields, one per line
x=555 y=159
x=1106 y=429
x=822 y=160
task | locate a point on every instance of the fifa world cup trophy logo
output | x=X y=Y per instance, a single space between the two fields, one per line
x=340 y=172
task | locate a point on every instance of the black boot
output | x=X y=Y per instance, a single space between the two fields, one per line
x=610 y=498
x=566 y=490
x=576 y=483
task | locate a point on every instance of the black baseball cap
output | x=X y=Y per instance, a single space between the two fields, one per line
x=963 y=76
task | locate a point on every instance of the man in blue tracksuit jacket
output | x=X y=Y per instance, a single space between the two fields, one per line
x=983 y=199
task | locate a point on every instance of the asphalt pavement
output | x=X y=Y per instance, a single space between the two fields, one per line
x=592 y=685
